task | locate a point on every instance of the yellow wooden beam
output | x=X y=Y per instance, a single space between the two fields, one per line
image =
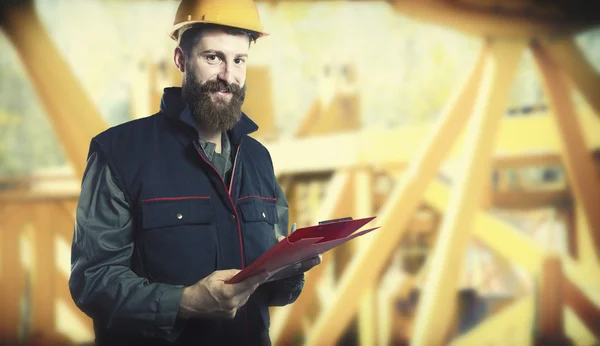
x=284 y=320
x=528 y=140
x=394 y=284
x=549 y=304
x=62 y=226
x=586 y=309
x=141 y=93
x=61 y=292
x=12 y=274
x=580 y=165
x=511 y=326
x=70 y=110
x=485 y=22
x=367 y=318
x=524 y=200
x=259 y=101
x=313 y=115
x=403 y=201
x=577 y=67
x=439 y=295
x=509 y=243
x=499 y=236
x=577 y=330
x=524 y=160
x=363 y=207
x=43 y=271
x=521 y=249
x=586 y=253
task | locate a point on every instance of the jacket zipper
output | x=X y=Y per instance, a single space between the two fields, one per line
x=233 y=169
x=237 y=217
x=239 y=228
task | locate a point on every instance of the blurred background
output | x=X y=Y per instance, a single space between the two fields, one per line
x=470 y=128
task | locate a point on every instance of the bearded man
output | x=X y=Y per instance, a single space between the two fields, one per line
x=175 y=204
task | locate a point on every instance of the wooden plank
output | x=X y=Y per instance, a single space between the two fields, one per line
x=578 y=68
x=579 y=162
x=486 y=23
x=568 y=215
x=313 y=115
x=527 y=200
x=521 y=142
x=549 y=303
x=368 y=263
x=510 y=326
x=76 y=121
x=65 y=214
x=29 y=196
x=363 y=207
x=285 y=324
x=438 y=302
x=61 y=292
x=526 y=160
x=12 y=279
x=585 y=308
x=586 y=251
x=43 y=271
x=259 y=102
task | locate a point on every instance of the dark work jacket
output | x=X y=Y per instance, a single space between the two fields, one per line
x=154 y=216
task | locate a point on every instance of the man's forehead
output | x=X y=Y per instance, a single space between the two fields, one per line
x=215 y=39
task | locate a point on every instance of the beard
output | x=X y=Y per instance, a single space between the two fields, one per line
x=218 y=114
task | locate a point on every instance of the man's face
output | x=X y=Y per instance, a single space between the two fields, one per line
x=214 y=79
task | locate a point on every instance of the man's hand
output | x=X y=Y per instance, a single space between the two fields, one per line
x=212 y=297
x=307 y=264
x=296 y=268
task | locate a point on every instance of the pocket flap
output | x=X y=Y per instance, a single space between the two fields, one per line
x=158 y=213
x=259 y=211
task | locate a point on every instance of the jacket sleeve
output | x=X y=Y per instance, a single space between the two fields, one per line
x=284 y=291
x=101 y=282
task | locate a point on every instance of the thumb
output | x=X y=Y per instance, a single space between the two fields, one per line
x=250 y=283
x=225 y=274
x=280 y=238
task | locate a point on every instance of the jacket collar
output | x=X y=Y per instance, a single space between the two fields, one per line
x=174 y=107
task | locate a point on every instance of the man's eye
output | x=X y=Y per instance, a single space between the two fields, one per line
x=212 y=58
x=239 y=61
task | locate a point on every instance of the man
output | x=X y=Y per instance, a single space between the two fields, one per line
x=175 y=204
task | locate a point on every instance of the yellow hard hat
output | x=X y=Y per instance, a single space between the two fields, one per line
x=242 y=14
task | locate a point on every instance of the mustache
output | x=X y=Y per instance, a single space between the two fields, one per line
x=219 y=85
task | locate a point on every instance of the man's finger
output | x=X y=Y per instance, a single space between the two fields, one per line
x=250 y=283
x=311 y=262
x=280 y=238
x=225 y=274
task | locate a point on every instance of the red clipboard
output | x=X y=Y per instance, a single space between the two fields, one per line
x=303 y=244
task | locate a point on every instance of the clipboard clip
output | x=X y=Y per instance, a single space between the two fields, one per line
x=335 y=220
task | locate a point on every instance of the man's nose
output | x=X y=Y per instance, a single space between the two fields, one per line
x=225 y=74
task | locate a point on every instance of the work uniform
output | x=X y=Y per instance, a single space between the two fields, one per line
x=156 y=214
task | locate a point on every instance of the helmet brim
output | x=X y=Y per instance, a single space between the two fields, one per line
x=175 y=30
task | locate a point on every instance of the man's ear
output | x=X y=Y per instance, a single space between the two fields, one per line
x=179 y=59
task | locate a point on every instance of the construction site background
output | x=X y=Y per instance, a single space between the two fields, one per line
x=478 y=150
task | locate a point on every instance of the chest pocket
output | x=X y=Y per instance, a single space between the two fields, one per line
x=259 y=218
x=179 y=239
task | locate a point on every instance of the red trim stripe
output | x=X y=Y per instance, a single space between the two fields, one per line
x=174 y=198
x=264 y=198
